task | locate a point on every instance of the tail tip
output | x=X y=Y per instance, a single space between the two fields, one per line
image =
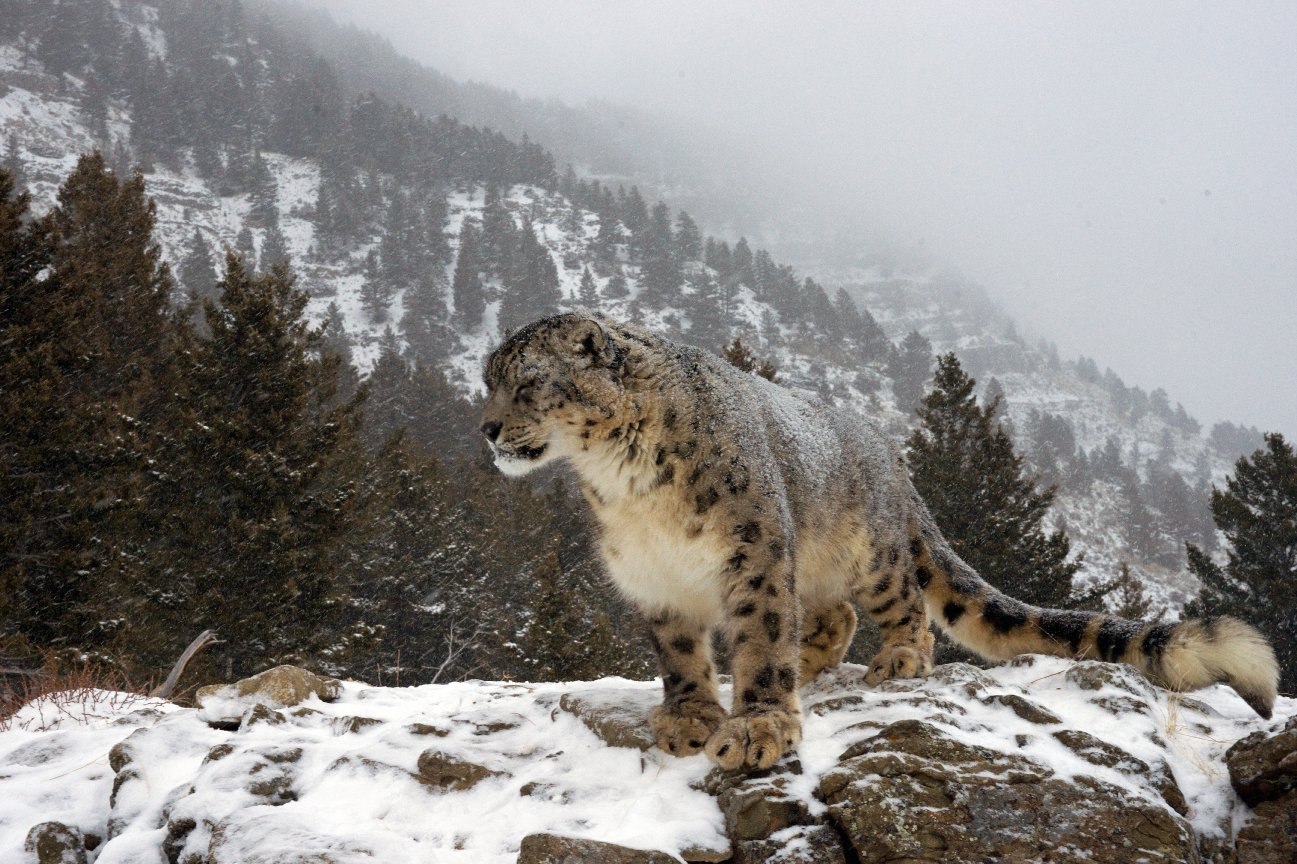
x=1261 y=703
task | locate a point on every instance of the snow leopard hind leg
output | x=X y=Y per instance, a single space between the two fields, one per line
x=891 y=593
x=826 y=635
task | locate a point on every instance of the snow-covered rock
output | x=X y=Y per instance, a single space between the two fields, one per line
x=1084 y=760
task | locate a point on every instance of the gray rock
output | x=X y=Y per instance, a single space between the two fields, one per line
x=1095 y=675
x=56 y=843
x=1099 y=752
x=443 y=771
x=1270 y=835
x=553 y=849
x=1024 y=708
x=756 y=809
x=911 y=793
x=618 y=722
x=809 y=844
x=1262 y=766
x=282 y=686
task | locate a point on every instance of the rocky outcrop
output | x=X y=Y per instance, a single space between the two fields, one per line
x=913 y=792
x=1263 y=770
x=1039 y=759
x=282 y=686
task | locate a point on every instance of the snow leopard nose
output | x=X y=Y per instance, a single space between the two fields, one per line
x=491 y=429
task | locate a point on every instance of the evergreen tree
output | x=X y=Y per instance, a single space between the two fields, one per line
x=533 y=286
x=909 y=367
x=660 y=274
x=274 y=250
x=740 y=356
x=466 y=285
x=335 y=346
x=260 y=485
x=688 y=239
x=262 y=194
x=635 y=216
x=964 y=467
x=89 y=336
x=415 y=587
x=373 y=292
x=246 y=245
x=1128 y=599
x=588 y=292
x=1257 y=512
x=425 y=323
x=707 y=311
x=13 y=163
x=741 y=263
x=617 y=288
x=197 y=274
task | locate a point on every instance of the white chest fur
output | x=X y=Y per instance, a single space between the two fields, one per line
x=656 y=564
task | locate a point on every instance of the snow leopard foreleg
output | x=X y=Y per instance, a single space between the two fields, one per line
x=762 y=617
x=690 y=711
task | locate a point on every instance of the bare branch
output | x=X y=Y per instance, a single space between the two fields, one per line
x=166 y=688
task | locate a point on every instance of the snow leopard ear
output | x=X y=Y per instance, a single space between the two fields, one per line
x=589 y=340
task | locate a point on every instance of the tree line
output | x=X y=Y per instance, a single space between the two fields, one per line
x=169 y=469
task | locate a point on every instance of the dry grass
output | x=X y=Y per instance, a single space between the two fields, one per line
x=64 y=690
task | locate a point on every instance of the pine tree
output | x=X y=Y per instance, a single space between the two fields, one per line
x=588 y=292
x=373 y=292
x=707 y=311
x=635 y=216
x=246 y=245
x=466 y=285
x=274 y=250
x=335 y=346
x=13 y=163
x=1257 y=512
x=740 y=356
x=260 y=485
x=89 y=338
x=688 y=239
x=1128 y=599
x=964 y=467
x=262 y=194
x=617 y=288
x=197 y=274
x=909 y=367
x=533 y=286
x=417 y=579
x=660 y=272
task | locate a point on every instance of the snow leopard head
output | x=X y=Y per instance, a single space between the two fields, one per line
x=550 y=382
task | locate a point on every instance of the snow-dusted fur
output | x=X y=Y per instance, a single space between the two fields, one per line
x=729 y=502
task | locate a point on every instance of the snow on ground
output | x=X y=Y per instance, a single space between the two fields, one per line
x=343 y=776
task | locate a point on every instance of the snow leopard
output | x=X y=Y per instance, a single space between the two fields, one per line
x=728 y=503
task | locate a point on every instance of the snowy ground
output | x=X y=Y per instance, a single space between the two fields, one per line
x=343 y=777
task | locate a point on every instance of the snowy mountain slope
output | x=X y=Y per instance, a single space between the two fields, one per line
x=42 y=116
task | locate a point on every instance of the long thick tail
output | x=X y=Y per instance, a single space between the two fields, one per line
x=1181 y=656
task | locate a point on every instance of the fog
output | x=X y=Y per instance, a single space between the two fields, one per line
x=1122 y=177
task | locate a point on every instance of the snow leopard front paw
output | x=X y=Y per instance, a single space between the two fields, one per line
x=754 y=740
x=682 y=729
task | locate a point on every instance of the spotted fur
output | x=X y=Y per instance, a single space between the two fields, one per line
x=728 y=503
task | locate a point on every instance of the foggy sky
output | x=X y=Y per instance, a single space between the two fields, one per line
x=1121 y=176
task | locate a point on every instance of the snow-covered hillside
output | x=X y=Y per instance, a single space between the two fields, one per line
x=45 y=125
